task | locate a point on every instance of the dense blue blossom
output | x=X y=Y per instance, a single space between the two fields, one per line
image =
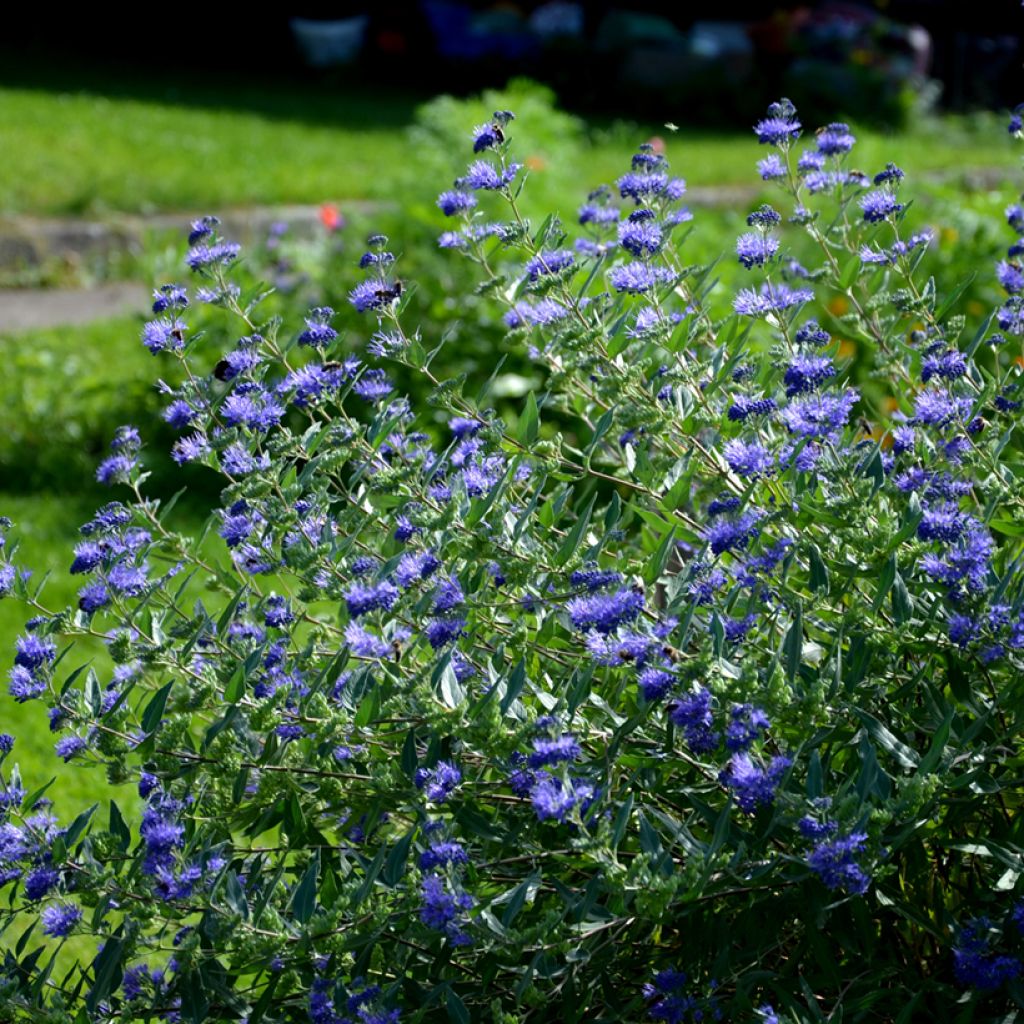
x=833 y=861
x=550 y=261
x=548 y=751
x=780 y=126
x=770 y=299
x=362 y=598
x=820 y=416
x=605 y=612
x=635 y=278
x=747 y=458
x=365 y=644
x=163 y=335
x=640 y=237
x=59 y=919
x=319 y=332
x=878 y=205
x=743 y=407
x=746 y=724
x=438 y=783
x=554 y=798
x=755 y=248
x=444 y=909
x=751 y=784
x=976 y=964
x=693 y=714
x=732 y=534
x=834 y=139
x=807 y=373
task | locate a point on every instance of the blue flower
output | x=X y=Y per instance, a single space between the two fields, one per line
x=547 y=751
x=733 y=534
x=749 y=459
x=605 y=612
x=833 y=861
x=780 y=127
x=771 y=167
x=444 y=631
x=807 y=373
x=975 y=964
x=484 y=175
x=594 y=578
x=692 y=713
x=59 y=920
x=364 y=644
x=835 y=139
x=753 y=785
x=820 y=416
x=362 y=598
x=40 y=880
x=743 y=407
x=878 y=205
x=557 y=798
x=550 y=261
x=642 y=238
x=444 y=909
x=32 y=651
x=438 y=783
x=635 y=278
x=318 y=332
x=68 y=746
x=755 y=248
x=165 y=334
x=770 y=299
x=747 y=724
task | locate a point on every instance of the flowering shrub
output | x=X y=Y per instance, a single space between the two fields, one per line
x=702 y=707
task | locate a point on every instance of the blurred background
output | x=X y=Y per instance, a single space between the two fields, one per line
x=306 y=131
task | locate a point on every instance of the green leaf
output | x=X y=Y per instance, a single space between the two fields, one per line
x=93 y=693
x=235 y=690
x=529 y=422
x=516 y=682
x=394 y=866
x=154 y=712
x=849 y=272
x=904 y=755
x=954 y=296
x=457 y=1009
x=885 y=581
x=621 y=820
x=409 y=759
x=931 y=760
x=655 y=565
x=793 y=645
x=304 y=897
x=902 y=602
x=106 y=971
x=818 y=570
x=520 y=894
x=78 y=827
x=575 y=535
x=119 y=828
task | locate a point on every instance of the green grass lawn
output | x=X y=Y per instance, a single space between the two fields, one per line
x=75 y=151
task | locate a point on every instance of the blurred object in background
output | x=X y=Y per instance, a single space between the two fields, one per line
x=325 y=44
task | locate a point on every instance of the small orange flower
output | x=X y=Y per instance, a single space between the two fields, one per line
x=838 y=305
x=536 y=163
x=330 y=216
x=847 y=348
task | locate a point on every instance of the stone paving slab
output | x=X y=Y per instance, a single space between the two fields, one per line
x=24 y=309
x=28 y=242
